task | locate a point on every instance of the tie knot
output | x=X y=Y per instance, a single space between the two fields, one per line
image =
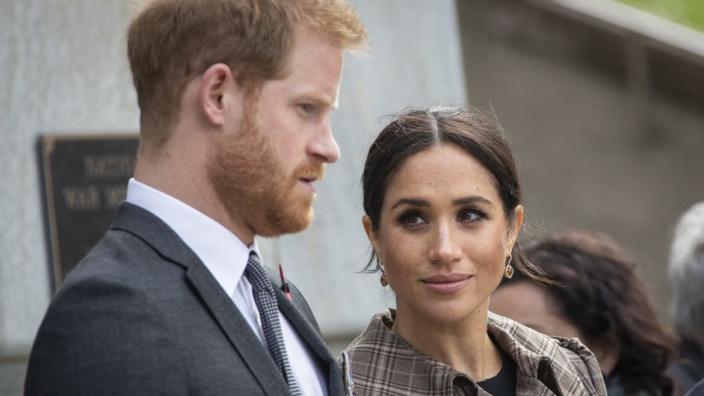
x=256 y=275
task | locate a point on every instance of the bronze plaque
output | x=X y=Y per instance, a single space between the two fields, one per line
x=84 y=179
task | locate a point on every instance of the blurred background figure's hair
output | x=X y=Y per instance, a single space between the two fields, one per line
x=596 y=289
x=687 y=272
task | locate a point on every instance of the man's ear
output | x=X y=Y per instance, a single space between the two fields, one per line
x=213 y=90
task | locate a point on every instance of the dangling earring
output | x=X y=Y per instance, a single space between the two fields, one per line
x=508 y=270
x=384 y=282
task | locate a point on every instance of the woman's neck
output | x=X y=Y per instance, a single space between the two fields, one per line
x=464 y=345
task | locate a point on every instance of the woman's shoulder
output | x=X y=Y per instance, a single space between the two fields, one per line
x=377 y=339
x=564 y=361
x=373 y=333
x=381 y=362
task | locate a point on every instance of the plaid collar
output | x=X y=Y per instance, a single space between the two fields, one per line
x=383 y=362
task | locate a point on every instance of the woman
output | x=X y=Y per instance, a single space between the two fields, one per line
x=597 y=297
x=442 y=212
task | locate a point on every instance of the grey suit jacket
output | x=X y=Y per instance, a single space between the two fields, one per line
x=142 y=315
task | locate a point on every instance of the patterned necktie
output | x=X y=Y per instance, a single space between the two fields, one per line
x=268 y=309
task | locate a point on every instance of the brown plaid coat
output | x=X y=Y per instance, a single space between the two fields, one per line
x=382 y=363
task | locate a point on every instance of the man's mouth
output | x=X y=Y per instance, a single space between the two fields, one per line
x=307 y=182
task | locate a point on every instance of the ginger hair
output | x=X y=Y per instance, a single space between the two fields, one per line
x=169 y=42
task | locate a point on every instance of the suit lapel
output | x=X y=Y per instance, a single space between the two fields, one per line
x=313 y=340
x=237 y=330
x=161 y=237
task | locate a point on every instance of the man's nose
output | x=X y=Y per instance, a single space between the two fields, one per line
x=323 y=144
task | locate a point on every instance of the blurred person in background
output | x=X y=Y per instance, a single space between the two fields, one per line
x=686 y=270
x=595 y=296
x=443 y=211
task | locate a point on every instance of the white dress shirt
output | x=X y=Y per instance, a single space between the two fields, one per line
x=226 y=257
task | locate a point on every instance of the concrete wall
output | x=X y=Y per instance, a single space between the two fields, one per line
x=585 y=159
x=64 y=70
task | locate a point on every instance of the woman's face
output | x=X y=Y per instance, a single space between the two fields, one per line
x=443 y=235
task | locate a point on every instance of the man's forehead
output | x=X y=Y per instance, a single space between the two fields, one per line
x=316 y=84
x=313 y=72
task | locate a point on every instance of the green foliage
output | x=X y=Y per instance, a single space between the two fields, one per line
x=686 y=12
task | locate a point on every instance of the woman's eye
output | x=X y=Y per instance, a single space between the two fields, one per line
x=411 y=219
x=471 y=215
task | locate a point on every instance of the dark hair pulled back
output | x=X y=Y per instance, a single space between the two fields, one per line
x=475 y=131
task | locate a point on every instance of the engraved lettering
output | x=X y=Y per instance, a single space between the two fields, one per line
x=82 y=198
x=109 y=165
x=114 y=195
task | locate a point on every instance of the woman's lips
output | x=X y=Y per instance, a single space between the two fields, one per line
x=446 y=284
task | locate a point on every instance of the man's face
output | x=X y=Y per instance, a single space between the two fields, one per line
x=264 y=172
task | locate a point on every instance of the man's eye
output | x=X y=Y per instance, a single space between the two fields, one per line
x=307 y=108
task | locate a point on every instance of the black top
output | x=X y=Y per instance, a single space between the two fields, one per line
x=504 y=383
x=689 y=366
x=697 y=390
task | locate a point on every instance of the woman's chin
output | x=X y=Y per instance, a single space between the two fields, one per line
x=446 y=313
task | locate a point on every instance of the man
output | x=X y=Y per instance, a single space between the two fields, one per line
x=686 y=270
x=235 y=99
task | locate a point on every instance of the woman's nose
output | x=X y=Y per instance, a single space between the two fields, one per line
x=444 y=246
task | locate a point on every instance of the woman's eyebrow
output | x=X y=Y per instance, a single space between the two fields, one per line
x=457 y=202
x=471 y=200
x=411 y=201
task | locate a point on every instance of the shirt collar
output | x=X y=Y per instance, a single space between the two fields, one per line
x=220 y=250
